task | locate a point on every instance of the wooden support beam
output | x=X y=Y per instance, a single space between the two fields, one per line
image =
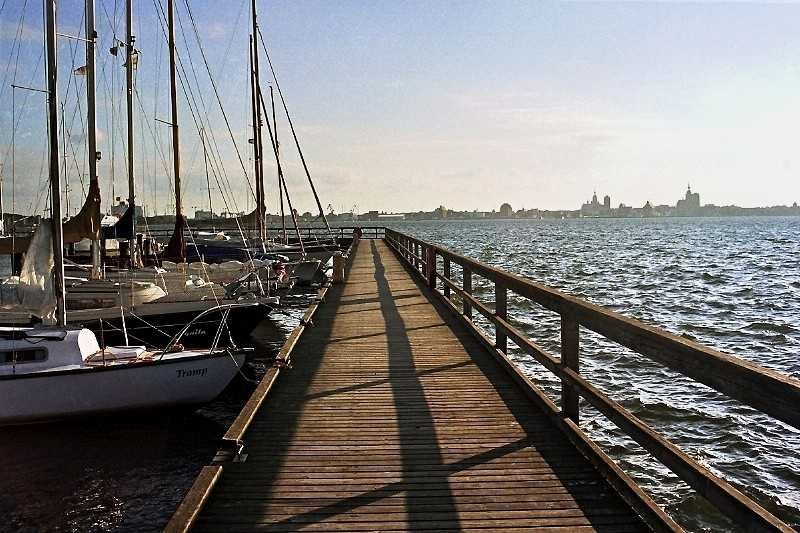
x=500 y=311
x=430 y=259
x=570 y=348
x=446 y=266
x=467 y=286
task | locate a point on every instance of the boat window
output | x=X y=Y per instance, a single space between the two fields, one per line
x=34 y=355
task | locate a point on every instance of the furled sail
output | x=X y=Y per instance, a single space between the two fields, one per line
x=86 y=224
x=176 y=249
x=250 y=220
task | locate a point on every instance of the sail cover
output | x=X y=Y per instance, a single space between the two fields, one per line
x=33 y=291
x=123 y=229
x=84 y=225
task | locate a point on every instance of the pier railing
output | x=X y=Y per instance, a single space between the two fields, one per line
x=767 y=391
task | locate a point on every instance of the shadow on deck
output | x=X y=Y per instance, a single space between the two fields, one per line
x=394 y=418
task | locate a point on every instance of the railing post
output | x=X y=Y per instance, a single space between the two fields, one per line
x=500 y=311
x=430 y=259
x=570 y=348
x=467 y=286
x=447 y=276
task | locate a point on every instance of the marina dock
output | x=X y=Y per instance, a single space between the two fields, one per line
x=389 y=409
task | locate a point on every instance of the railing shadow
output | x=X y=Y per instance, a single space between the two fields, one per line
x=275 y=431
x=571 y=468
x=417 y=430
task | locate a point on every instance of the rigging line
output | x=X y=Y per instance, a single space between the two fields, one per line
x=204 y=112
x=111 y=22
x=167 y=166
x=43 y=190
x=17 y=42
x=280 y=172
x=16 y=122
x=79 y=111
x=221 y=69
x=159 y=58
x=294 y=134
x=73 y=46
x=217 y=161
x=216 y=156
x=68 y=130
x=181 y=78
x=219 y=100
x=108 y=98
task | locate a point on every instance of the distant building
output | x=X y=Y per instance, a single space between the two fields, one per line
x=391 y=216
x=595 y=209
x=201 y=214
x=690 y=205
x=506 y=211
x=624 y=211
x=440 y=212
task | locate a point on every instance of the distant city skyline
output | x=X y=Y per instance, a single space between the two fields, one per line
x=687 y=204
x=405 y=106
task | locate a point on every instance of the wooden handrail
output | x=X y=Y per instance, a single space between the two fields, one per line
x=766 y=390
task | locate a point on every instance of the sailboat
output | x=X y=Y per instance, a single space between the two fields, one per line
x=59 y=371
x=175 y=295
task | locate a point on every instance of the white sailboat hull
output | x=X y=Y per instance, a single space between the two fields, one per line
x=187 y=378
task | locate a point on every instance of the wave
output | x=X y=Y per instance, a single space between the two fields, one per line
x=713 y=279
x=770 y=326
x=727 y=306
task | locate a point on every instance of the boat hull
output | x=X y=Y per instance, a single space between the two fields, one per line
x=154 y=324
x=155 y=329
x=186 y=380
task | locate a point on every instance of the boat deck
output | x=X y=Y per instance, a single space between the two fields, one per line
x=394 y=418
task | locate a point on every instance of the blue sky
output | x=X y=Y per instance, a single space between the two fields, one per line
x=409 y=105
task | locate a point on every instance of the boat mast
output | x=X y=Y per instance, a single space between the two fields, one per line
x=129 y=53
x=277 y=156
x=55 y=178
x=2 y=209
x=208 y=178
x=91 y=124
x=254 y=120
x=259 y=147
x=177 y=245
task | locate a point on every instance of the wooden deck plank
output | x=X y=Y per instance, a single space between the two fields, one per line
x=395 y=418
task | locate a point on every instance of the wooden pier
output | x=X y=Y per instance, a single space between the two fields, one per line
x=397 y=413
